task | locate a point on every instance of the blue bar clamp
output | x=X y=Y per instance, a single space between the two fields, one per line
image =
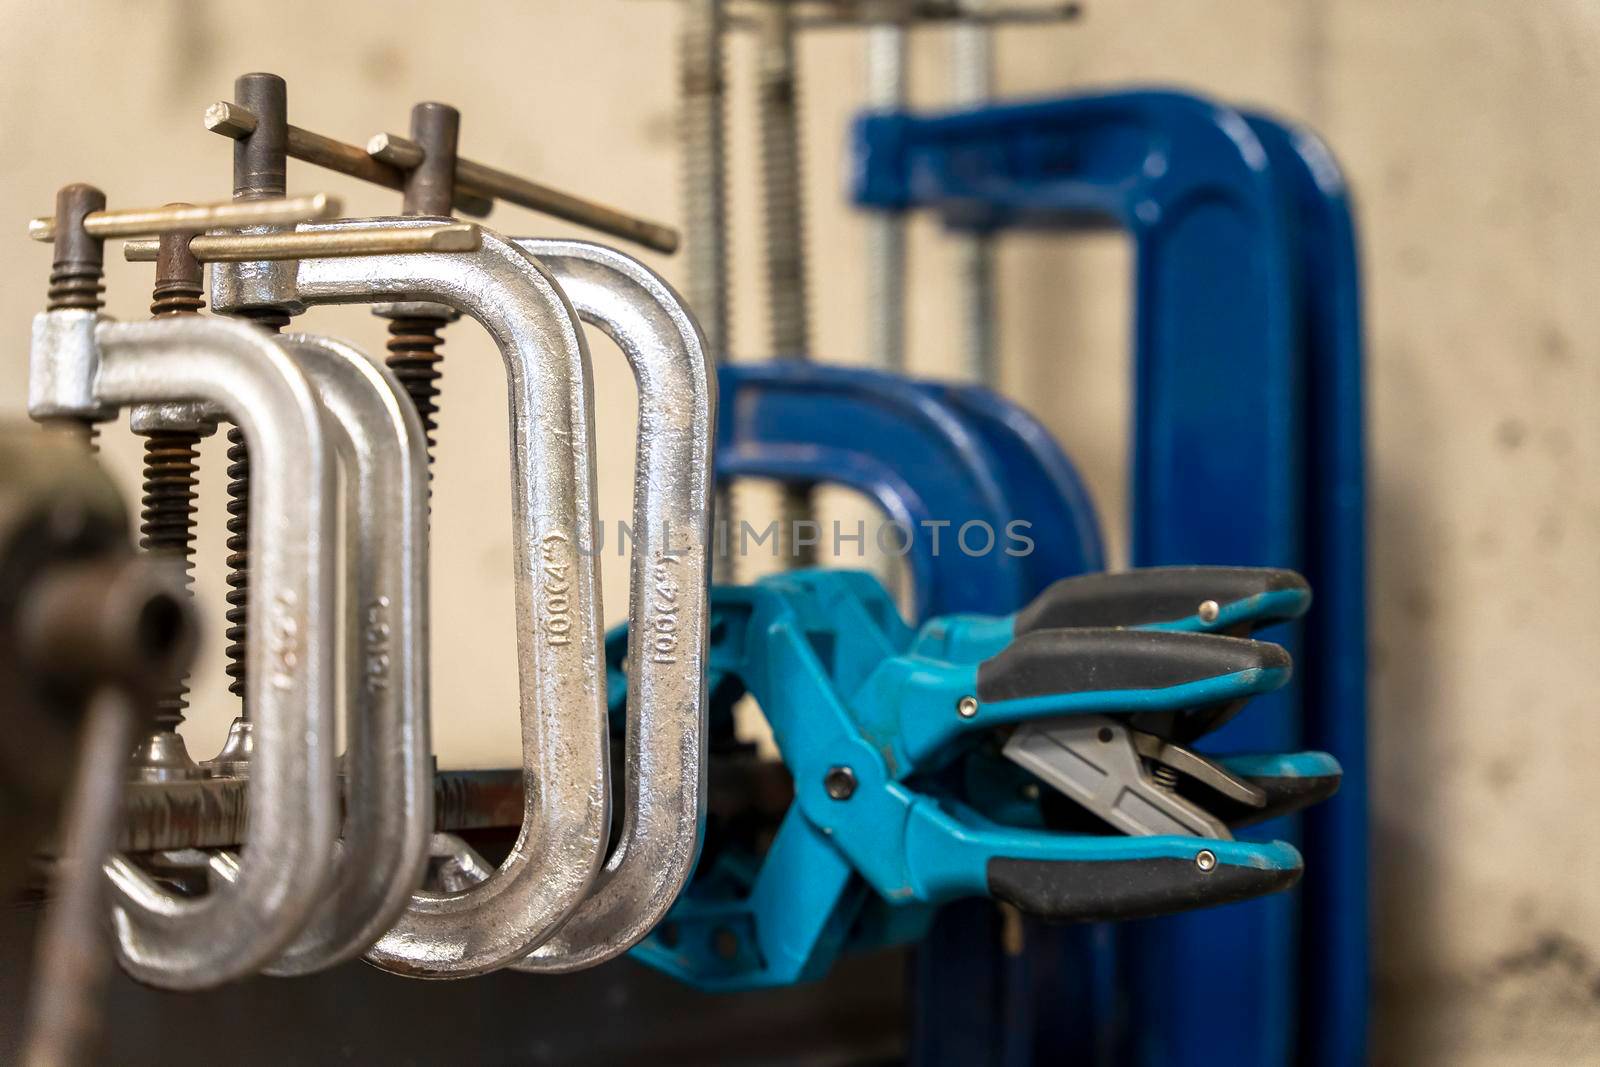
x=1246 y=293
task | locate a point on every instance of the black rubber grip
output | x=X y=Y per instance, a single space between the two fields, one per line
x=1150 y=595
x=1057 y=662
x=1108 y=890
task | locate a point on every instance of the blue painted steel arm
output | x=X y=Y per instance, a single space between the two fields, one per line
x=1217 y=311
x=888 y=440
x=1046 y=496
x=1335 y=939
x=1218 y=454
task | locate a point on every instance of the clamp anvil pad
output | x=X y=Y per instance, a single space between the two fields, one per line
x=875 y=734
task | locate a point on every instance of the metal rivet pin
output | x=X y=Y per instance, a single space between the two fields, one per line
x=840 y=782
x=1206 y=860
x=967 y=707
x=1209 y=610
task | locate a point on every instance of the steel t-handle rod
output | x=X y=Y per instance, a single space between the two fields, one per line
x=186 y=218
x=383 y=241
x=388 y=157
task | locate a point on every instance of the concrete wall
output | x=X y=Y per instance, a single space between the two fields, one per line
x=1469 y=133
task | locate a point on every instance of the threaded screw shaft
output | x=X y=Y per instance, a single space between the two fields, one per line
x=238 y=560
x=259 y=169
x=77 y=273
x=173 y=297
x=886 y=231
x=702 y=131
x=414 y=340
x=171 y=459
x=414 y=357
x=167 y=529
x=972 y=61
x=778 y=87
x=76 y=287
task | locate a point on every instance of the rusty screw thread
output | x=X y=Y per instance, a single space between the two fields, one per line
x=74 y=286
x=414 y=340
x=77 y=276
x=167 y=529
x=176 y=297
x=170 y=501
x=414 y=357
x=77 y=269
x=238 y=560
x=260 y=163
x=237 y=616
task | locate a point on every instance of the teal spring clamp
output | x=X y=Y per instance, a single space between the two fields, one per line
x=895 y=756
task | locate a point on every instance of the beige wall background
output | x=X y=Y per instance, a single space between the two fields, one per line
x=1469 y=132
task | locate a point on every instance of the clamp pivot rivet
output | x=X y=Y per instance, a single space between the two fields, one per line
x=1209 y=610
x=967 y=707
x=1205 y=859
x=840 y=782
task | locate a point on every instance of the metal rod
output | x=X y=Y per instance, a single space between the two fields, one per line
x=168 y=504
x=782 y=187
x=260 y=160
x=972 y=62
x=488 y=181
x=702 y=130
x=78 y=268
x=886 y=231
x=213 y=812
x=782 y=182
x=414 y=330
x=260 y=172
x=248 y=247
x=477 y=185
x=430 y=180
x=152 y=221
x=823 y=15
x=73 y=953
x=231 y=120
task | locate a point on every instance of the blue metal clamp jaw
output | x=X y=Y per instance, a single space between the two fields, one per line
x=879 y=739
